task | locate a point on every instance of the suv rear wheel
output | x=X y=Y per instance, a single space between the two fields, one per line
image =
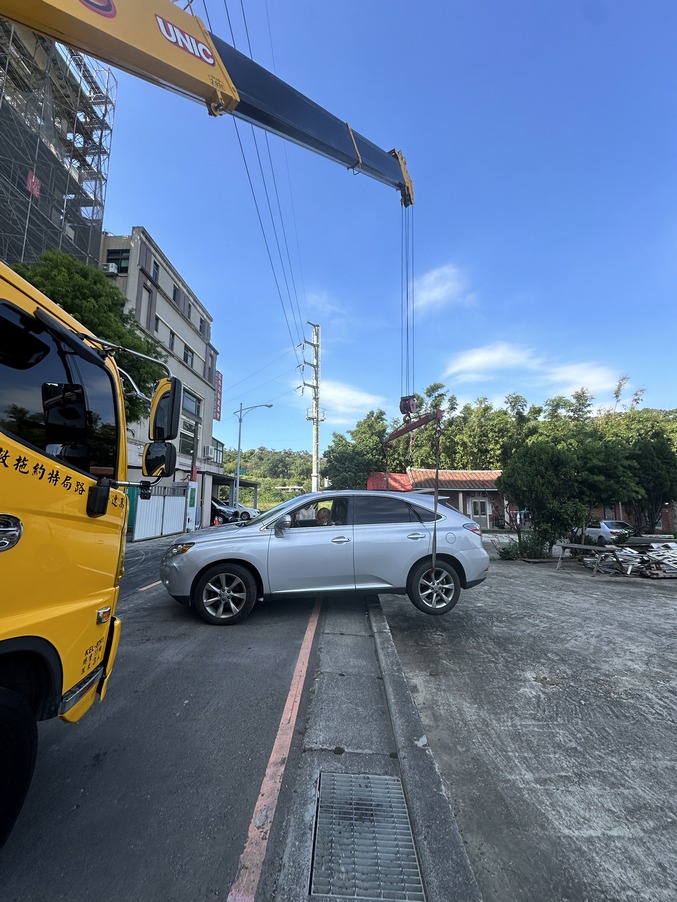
x=434 y=590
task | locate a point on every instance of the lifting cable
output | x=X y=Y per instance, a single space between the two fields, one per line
x=408 y=410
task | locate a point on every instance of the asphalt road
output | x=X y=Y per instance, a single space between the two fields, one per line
x=549 y=699
x=150 y=796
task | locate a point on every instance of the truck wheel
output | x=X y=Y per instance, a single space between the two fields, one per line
x=434 y=591
x=225 y=594
x=18 y=751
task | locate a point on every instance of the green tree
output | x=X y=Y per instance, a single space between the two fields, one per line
x=656 y=464
x=88 y=295
x=539 y=478
x=347 y=466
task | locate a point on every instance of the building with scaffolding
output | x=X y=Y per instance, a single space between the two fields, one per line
x=56 y=121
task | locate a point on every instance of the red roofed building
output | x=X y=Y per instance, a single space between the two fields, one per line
x=473 y=492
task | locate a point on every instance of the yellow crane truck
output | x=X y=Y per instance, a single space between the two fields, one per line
x=62 y=426
x=63 y=517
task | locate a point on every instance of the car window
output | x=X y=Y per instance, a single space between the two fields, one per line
x=425 y=514
x=378 y=509
x=306 y=515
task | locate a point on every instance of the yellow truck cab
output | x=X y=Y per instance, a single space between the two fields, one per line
x=63 y=518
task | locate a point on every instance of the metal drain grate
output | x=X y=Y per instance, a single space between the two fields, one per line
x=364 y=848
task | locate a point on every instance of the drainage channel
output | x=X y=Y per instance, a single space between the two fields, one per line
x=363 y=847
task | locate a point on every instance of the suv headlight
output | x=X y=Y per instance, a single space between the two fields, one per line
x=178 y=549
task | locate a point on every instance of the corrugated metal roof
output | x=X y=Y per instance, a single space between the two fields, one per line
x=397 y=482
x=456 y=480
x=451 y=480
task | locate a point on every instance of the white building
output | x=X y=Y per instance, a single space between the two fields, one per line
x=167 y=309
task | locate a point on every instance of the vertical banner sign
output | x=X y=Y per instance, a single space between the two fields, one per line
x=218 y=394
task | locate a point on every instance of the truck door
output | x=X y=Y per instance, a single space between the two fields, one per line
x=59 y=435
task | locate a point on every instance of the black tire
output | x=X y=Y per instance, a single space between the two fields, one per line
x=244 y=515
x=18 y=751
x=220 y=519
x=225 y=594
x=434 y=591
x=601 y=541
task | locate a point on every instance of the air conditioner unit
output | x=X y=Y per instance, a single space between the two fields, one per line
x=209 y=452
x=111 y=269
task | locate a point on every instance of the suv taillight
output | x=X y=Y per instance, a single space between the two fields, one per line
x=473 y=527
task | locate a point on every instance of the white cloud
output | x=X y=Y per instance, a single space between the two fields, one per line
x=522 y=367
x=321 y=303
x=481 y=364
x=572 y=376
x=346 y=404
x=441 y=287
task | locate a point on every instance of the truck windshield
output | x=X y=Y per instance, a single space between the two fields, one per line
x=53 y=400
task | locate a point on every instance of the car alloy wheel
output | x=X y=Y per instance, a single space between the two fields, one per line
x=434 y=590
x=225 y=594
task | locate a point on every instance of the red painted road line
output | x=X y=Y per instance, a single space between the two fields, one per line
x=251 y=860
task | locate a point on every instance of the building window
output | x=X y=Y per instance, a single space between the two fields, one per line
x=191 y=403
x=155 y=274
x=176 y=294
x=187 y=437
x=172 y=339
x=156 y=325
x=186 y=443
x=188 y=356
x=119 y=256
x=189 y=310
x=203 y=325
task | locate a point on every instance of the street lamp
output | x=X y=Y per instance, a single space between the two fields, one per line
x=240 y=415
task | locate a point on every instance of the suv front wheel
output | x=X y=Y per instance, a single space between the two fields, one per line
x=225 y=594
x=434 y=590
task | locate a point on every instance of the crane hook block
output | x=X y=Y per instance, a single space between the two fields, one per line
x=408 y=406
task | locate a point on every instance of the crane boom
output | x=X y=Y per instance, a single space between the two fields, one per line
x=161 y=43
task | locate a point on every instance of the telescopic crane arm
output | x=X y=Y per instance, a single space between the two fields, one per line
x=161 y=43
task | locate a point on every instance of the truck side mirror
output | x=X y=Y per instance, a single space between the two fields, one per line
x=165 y=410
x=159 y=460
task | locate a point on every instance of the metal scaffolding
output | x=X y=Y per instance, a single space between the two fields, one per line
x=56 y=123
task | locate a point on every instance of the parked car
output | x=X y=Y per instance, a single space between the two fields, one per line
x=222 y=513
x=374 y=542
x=244 y=512
x=605 y=532
x=226 y=513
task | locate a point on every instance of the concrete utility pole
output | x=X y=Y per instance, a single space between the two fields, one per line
x=315 y=414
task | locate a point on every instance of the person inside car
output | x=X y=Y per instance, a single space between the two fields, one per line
x=323 y=517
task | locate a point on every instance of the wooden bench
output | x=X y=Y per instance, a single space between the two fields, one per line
x=600 y=552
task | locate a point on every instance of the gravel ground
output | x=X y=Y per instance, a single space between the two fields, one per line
x=549 y=699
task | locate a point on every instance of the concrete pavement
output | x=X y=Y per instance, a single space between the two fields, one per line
x=361 y=720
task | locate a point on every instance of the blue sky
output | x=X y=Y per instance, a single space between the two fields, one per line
x=541 y=139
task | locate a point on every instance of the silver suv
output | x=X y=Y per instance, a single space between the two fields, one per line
x=326 y=542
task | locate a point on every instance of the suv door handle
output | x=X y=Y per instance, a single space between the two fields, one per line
x=417 y=535
x=11 y=529
x=340 y=540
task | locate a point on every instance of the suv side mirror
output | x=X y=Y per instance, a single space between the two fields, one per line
x=159 y=460
x=165 y=410
x=283 y=523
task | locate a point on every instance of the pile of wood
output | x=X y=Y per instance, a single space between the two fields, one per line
x=656 y=560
